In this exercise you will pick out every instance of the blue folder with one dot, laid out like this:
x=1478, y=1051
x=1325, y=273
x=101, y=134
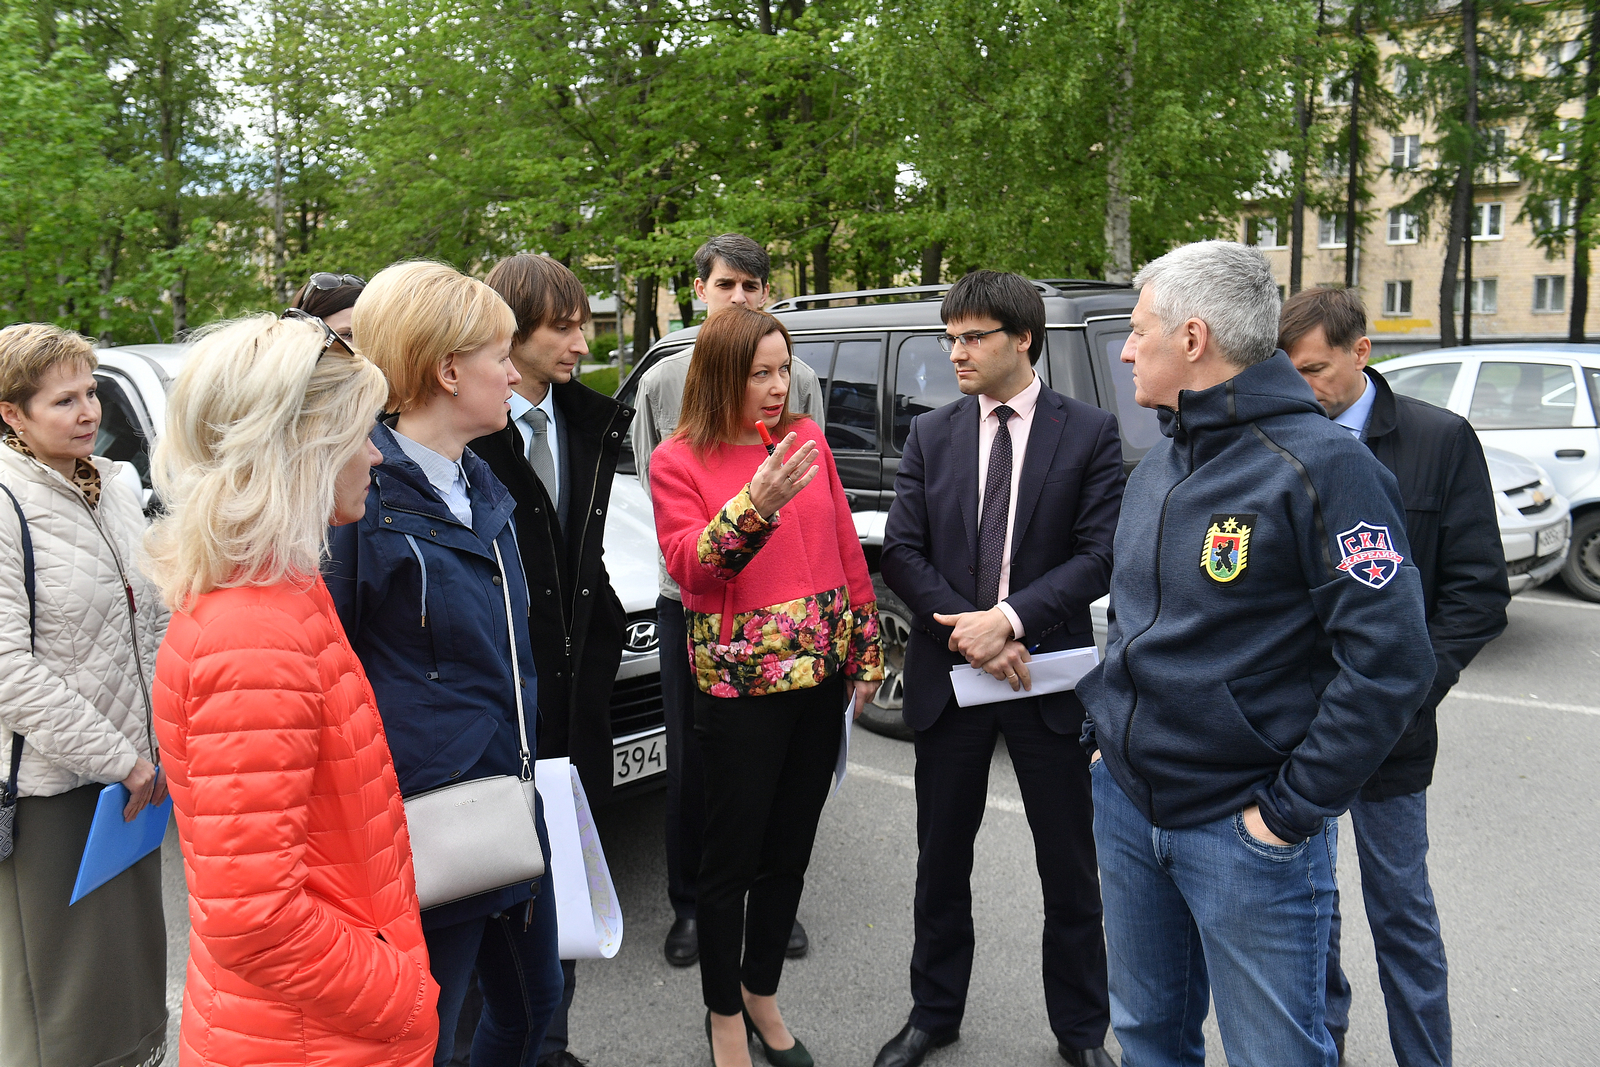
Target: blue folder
x=114, y=845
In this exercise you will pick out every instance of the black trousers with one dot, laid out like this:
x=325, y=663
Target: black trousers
x=686, y=804
x=769, y=764
x=952, y=778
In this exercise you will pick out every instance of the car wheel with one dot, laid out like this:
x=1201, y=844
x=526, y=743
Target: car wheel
x=883, y=714
x=1582, y=569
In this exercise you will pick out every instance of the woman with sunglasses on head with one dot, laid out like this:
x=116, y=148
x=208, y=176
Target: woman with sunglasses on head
x=431, y=590
x=75, y=662
x=306, y=944
x=783, y=631
x=331, y=298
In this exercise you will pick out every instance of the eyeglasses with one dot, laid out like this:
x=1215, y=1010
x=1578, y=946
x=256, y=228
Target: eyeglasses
x=970, y=338
x=323, y=280
x=329, y=337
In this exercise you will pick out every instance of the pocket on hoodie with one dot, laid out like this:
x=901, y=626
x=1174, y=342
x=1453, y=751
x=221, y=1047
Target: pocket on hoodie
x=1278, y=704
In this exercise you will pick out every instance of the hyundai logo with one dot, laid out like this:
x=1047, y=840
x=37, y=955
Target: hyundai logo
x=641, y=637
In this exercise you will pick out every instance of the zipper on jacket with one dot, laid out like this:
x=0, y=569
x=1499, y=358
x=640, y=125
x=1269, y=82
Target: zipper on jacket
x=583, y=536
x=1127, y=730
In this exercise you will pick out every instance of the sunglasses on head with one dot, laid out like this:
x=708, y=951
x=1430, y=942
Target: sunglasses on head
x=329, y=337
x=324, y=280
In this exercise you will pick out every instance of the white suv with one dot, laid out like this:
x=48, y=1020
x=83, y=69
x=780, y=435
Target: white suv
x=1538, y=401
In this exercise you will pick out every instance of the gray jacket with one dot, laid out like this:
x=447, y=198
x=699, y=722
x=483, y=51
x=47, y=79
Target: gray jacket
x=660, y=402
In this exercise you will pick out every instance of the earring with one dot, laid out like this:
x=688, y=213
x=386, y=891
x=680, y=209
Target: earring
x=455, y=392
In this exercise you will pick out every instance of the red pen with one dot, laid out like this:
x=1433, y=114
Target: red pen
x=766, y=438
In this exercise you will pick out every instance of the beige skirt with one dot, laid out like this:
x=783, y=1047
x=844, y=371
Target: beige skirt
x=80, y=986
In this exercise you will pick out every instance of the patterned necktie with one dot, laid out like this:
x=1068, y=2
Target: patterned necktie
x=996, y=506
x=539, y=457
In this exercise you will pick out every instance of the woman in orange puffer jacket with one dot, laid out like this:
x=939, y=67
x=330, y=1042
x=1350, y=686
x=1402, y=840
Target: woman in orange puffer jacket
x=306, y=943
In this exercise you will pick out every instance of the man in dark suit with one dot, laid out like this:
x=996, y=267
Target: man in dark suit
x=557, y=455
x=998, y=540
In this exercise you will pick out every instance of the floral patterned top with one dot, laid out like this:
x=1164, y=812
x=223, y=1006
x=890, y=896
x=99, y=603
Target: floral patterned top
x=793, y=645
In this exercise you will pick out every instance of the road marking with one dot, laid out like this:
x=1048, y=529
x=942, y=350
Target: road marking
x=1554, y=602
x=1523, y=702
x=905, y=781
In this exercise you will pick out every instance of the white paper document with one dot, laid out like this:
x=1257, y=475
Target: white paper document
x=844, y=746
x=588, y=913
x=1052, y=672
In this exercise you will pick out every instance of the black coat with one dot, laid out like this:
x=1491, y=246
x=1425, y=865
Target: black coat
x=1067, y=500
x=1455, y=543
x=577, y=621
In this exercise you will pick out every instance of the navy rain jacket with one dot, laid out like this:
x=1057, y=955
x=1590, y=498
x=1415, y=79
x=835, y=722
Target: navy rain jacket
x=1268, y=641
x=420, y=598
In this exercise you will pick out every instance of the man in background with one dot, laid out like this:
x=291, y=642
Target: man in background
x=729, y=269
x=1455, y=544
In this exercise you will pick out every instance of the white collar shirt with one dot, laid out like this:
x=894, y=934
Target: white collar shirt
x=446, y=476
x=1354, y=418
x=1023, y=405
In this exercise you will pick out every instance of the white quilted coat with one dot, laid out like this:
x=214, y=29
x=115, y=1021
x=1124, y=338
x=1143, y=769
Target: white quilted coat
x=81, y=700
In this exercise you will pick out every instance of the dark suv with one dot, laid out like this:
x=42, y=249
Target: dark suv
x=878, y=357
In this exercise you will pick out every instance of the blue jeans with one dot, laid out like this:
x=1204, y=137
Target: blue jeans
x=518, y=973
x=1210, y=910
x=1392, y=843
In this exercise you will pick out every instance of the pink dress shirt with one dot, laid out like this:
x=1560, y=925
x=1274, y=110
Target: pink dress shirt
x=1021, y=423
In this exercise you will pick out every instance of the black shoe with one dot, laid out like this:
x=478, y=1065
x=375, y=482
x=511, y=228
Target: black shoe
x=1088, y=1057
x=563, y=1058
x=799, y=944
x=909, y=1047
x=683, y=943
x=793, y=1056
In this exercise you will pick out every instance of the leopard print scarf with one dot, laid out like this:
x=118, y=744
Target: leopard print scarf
x=85, y=475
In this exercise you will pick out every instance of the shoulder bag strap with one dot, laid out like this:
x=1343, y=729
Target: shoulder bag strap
x=33, y=614
x=516, y=669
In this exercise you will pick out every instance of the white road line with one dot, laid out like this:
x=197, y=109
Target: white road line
x=1554, y=602
x=1523, y=702
x=905, y=781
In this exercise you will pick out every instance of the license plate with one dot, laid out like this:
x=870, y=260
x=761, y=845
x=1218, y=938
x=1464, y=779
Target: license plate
x=638, y=758
x=1551, y=538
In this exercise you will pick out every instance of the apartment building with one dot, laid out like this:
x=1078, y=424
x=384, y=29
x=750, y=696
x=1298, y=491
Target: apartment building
x=1518, y=292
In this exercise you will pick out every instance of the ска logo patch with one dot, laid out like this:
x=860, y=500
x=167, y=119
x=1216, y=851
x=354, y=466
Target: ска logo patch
x=1367, y=554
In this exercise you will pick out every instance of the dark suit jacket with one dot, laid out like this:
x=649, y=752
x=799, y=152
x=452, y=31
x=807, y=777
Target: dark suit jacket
x=1067, y=504
x=577, y=621
x=1455, y=543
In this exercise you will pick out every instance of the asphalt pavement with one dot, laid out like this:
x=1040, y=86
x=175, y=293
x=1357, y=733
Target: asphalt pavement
x=1515, y=864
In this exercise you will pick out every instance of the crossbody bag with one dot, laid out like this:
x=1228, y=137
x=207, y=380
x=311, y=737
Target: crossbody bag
x=8, y=797
x=478, y=836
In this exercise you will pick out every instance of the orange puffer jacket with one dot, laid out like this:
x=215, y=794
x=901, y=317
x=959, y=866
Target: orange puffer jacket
x=306, y=944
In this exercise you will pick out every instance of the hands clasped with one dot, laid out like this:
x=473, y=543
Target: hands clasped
x=984, y=638
x=778, y=480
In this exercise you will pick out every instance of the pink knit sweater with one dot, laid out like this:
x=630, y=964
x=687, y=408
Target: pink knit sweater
x=770, y=606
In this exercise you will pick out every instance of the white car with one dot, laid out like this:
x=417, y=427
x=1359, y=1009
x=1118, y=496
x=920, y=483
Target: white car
x=1535, y=529
x=1535, y=400
x=133, y=397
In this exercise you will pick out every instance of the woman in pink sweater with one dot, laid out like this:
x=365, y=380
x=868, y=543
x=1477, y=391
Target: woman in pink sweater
x=783, y=632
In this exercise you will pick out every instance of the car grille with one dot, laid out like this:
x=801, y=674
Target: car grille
x=1534, y=509
x=636, y=705
x=1523, y=566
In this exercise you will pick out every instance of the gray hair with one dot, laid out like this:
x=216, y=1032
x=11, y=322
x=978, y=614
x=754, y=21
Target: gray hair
x=737, y=251
x=1225, y=285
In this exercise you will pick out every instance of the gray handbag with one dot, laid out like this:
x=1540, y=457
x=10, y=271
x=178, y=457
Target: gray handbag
x=478, y=836
x=8, y=791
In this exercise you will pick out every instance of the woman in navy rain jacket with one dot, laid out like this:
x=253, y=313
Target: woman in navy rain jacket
x=420, y=587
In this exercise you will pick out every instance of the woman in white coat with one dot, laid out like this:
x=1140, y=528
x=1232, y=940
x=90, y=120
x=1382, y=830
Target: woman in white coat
x=83, y=986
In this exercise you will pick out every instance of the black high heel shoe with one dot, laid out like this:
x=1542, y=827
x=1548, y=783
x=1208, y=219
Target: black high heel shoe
x=797, y=1056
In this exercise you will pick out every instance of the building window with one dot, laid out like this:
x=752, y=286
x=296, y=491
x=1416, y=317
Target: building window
x=1405, y=151
x=1553, y=217
x=1397, y=298
x=1330, y=231
x=1336, y=91
x=1550, y=292
x=1263, y=232
x=1488, y=222
x=1485, y=296
x=1402, y=227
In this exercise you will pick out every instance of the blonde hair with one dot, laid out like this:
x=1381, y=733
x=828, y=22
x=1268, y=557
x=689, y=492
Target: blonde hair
x=31, y=350
x=412, y=315
x=259, y=423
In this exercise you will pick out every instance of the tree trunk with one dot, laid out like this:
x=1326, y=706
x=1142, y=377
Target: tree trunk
x=764, y=16
x=932, y=261
x=820, y=265
x=180, y=307
x=110, y=250
x=644, y=316
x=280, y=239
x=1118, y=233
x=1461, y=202
x=1297, y=210
x=1588, y=163
x=1353, y=161
x=682, y=283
